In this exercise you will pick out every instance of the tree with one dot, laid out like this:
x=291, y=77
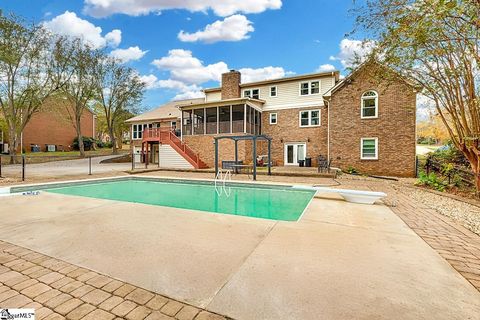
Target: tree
x=82, y=65
x=432, y=129
x=28, y=74
x=119, y=92
x=433, y=44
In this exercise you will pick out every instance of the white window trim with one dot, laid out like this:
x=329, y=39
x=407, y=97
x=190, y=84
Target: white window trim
x=376, y=105
x=270, y=117
x=376, y=149
x=309, y=88
x=310, y=118
x=285, y=152
x=251, y=93
x=276, y=91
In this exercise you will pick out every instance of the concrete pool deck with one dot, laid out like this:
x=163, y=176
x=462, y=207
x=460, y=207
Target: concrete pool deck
x=341, y=260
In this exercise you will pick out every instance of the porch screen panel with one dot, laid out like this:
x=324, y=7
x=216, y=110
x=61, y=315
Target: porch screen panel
x=211, y=114
x=256, y=122
x=237, y=118
x=198, y=121
x=187, y=122
x=224, y=119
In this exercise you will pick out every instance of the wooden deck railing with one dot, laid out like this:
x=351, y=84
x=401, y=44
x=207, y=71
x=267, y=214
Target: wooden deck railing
x=167, y=135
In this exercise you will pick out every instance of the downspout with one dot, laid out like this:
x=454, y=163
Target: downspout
x=328, y=130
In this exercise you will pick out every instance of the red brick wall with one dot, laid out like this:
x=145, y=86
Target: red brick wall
x=288, y=130
x=394, y=127
x=51, y=125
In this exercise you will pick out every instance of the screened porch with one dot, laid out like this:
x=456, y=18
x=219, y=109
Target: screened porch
x=234, y=118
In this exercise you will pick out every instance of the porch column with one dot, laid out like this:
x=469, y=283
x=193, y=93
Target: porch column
x=146, y=157
x=245, y=118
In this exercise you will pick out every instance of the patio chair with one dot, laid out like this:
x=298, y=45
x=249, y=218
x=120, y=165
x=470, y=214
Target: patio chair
x=323, y=165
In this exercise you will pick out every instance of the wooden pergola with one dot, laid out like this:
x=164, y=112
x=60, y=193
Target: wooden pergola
x=254, y=139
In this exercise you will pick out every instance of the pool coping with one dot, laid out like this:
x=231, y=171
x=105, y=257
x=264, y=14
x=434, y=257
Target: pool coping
x=36, y=187
x=58, y=184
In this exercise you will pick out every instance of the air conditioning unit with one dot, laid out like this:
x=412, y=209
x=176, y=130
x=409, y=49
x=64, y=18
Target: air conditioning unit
x=50, y=147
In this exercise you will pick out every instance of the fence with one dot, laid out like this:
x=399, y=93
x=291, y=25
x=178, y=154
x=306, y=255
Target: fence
x=449, y=170
x=33, y=166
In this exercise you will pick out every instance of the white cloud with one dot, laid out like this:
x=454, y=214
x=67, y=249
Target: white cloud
x=259, y=74
x=185, y=91
x=103, y=8
x=113, y=38
x=183, y=66
x=69, y=24
x=189, y=95
x=350, y=49
x=233, y=28
x=149, y=80
x=130, y=54
x=325, y=68
x=188, y=73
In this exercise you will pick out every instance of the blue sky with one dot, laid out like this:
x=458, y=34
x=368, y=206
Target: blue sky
x=263, y=38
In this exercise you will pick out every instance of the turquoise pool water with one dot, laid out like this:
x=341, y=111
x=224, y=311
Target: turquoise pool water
x=276, y=203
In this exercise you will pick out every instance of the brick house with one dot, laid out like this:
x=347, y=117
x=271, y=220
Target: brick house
x=50, y=126
x=356, y=122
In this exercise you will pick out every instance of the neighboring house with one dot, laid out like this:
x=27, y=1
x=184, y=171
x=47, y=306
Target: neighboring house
x=168, y=117
x=51, y=129
x=355, y=122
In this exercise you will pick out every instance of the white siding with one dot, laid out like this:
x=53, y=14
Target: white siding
x=213, y=96
x=288, y=94
x=169, y=158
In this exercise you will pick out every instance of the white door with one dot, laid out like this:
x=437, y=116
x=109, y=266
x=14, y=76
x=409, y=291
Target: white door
x=295, y=152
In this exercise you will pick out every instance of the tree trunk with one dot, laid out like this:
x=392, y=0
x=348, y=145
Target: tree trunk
x=476, y=179
x=114, y=142
x=81, y=146
x=12, y=145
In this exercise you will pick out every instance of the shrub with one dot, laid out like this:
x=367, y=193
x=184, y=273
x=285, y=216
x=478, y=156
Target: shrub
x=88, y=143
x=431, y=180
x=352, y=170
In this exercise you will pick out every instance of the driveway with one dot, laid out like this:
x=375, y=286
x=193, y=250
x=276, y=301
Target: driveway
x=59, y=169
x=340, y=261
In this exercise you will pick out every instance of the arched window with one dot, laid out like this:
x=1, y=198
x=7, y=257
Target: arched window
x=369, y=105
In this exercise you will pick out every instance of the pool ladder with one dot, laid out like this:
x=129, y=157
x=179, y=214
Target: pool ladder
x=222, y=177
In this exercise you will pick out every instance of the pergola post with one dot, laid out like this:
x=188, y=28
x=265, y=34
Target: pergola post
x=269, y=157
x=216, y=157
x=236, y=155
x=254, y=158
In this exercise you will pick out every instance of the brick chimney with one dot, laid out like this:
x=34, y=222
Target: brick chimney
x=231, y=84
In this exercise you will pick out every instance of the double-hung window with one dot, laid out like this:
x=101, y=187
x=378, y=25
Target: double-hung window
x=369, y=105
x=310, y=118
x=137, y=131
x=273, y=91
x=273, y=118
x=252, y=93
x=369, y=149
x=309, y=88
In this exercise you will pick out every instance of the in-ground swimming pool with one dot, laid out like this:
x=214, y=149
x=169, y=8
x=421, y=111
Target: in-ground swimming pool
x=267, y=202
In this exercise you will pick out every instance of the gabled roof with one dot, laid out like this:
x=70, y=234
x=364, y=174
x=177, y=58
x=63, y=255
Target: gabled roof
x=169, y=110
x=335, y=73
x=352, y=74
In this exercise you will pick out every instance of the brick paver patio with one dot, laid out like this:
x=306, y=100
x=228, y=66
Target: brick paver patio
x=458, y=245
x=60, y=290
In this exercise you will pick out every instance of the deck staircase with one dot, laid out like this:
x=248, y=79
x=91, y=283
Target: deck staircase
x=167, y=136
